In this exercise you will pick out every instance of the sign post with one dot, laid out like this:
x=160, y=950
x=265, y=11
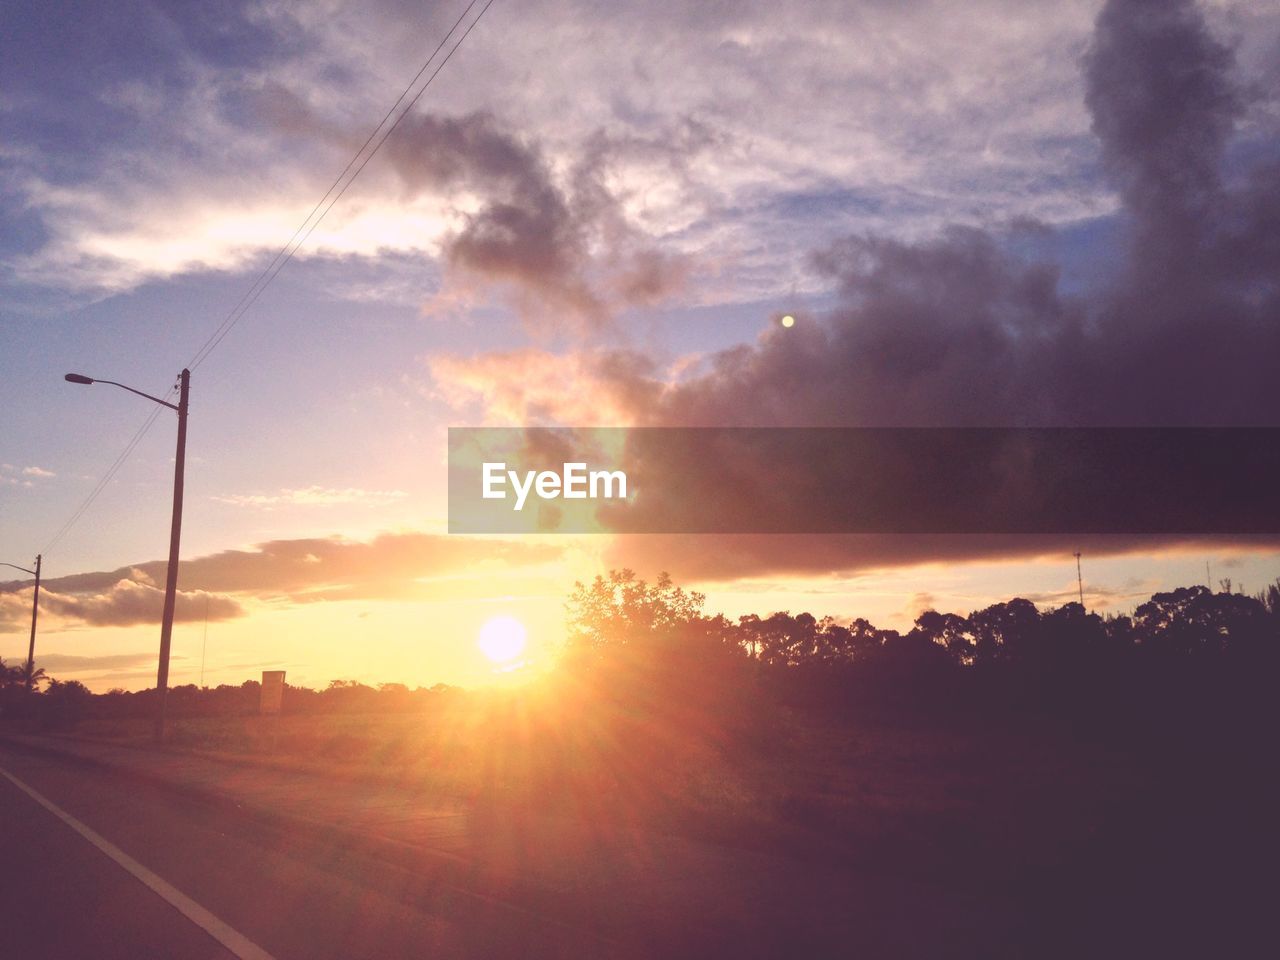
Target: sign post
x=272, y=698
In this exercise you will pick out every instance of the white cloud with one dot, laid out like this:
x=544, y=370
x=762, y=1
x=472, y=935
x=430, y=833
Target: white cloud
x=825, y=118
x=314, y=496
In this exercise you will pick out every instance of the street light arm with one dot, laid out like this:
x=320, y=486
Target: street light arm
x=16, y=567
x=163, y=403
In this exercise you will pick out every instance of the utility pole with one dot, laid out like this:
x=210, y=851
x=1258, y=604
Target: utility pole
x=175, y=535
x=1079, y=579
x=35, y=612
x=175, y=530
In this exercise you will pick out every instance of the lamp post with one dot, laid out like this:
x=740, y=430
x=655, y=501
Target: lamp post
x=35, y=612
x=175, y=532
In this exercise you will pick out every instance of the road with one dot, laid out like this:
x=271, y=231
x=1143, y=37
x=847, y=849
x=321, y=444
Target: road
x=100, y=862
x=288, y=893
x=293, y=864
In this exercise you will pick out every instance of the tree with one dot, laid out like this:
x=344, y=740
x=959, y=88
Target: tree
x=1270, y=600
x=65, y=701
x=1194, y=620
x=1004, y=631
x=1069, y=634
x=781, y=640
x=623, y=610
x=16, y=676
x=949, y=631
x=651, y=644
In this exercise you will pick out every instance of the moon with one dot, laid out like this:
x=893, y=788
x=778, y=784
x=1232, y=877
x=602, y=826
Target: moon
x=502, y=639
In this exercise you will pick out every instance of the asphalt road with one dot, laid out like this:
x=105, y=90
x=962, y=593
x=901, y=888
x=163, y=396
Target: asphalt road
x=291, y=893
x=1181, y=867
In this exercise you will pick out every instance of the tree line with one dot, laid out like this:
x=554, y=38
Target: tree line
x=1178, y=644
x=621, y=610
x=631, y=638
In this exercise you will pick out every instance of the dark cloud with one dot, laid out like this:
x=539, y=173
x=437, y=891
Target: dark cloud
x=727, y=557
x=559, y=247
x=129, y=602
x=1163, y=103
x=129, y=599
x=947, y=332
x=960, y=331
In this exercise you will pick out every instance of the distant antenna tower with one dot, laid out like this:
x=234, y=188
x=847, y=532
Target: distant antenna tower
x=1079, y=578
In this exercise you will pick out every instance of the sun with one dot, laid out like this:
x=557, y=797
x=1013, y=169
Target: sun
x=502, y=639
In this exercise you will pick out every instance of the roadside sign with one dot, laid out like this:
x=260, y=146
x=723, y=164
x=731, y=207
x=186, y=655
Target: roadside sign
x=272, y=691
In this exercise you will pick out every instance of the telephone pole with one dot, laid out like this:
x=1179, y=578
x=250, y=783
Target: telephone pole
x=35, y=613
x=175, y=535
x=175, y=529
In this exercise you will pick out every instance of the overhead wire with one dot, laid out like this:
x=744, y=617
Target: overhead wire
x=330, y=198
x=106, y=478
x=341, y=183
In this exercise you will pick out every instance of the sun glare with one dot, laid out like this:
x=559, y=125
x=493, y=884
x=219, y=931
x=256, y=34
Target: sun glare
x=502, y=639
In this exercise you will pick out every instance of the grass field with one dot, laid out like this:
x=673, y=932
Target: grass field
x=823, y=788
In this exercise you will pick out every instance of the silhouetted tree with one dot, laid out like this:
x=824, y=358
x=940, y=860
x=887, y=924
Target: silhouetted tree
x=65, y=702
x=1070, y=634
x=622, y=610
x=949, y=631
x=651, y=646
x=1194, y=621
x=780, y=640
x=1003, y=632
x=1270, y=600
x=16, y=676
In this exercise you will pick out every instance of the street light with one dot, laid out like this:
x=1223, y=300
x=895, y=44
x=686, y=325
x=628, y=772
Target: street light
x=175, y=532
x=35, y=612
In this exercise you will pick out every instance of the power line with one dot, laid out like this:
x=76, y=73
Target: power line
x=377, y=137
x=106, y=478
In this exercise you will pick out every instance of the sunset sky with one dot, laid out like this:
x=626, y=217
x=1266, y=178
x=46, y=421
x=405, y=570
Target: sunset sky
x=990, y=213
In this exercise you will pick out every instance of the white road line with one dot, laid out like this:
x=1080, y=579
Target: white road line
x=237, y=943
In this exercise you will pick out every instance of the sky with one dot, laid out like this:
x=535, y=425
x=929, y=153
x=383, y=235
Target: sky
x=992, y=213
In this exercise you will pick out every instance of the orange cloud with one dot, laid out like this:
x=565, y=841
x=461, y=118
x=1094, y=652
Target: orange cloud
x=127, y=602
x=390, y=566
x=529, y=386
